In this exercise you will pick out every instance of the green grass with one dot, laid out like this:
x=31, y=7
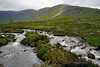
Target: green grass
x=3, y=41
x=34, y=39
x=88, y=26
x=11, y=36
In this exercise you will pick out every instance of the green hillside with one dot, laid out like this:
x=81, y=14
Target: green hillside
x=58, y=11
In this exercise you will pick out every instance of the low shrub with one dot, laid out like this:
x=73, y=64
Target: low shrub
x=3, y=41
x=33, y=39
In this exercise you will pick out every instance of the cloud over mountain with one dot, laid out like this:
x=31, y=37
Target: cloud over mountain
x=37, y=4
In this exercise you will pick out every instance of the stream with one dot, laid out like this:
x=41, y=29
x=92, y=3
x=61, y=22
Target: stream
x=13, y=54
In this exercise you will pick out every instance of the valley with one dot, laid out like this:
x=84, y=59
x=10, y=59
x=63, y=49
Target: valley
x=58, y=36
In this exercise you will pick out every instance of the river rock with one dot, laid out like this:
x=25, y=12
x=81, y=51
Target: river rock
x=83, y=47
x=64, y=46
x=98, y=58
x=40, y=31
x=1, y=65
x=9, y=40
x=79, y=40
x=49, y=33
x=14, y=40
x=91, y=56
x=1, y=51
x=24, y=50
x=80, y=55
x=72, y=47
x=97, y=49
x=35, y=50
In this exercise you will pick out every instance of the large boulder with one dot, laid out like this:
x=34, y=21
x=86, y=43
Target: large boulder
x=91, y=56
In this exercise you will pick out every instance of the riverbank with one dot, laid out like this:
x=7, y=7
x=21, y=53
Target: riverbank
x=73, y=44
x=21, y=55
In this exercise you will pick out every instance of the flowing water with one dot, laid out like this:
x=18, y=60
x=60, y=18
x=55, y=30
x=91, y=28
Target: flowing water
x=14, y=55
x=73, y=44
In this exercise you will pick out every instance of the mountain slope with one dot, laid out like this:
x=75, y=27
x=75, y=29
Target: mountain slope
x=58, y=11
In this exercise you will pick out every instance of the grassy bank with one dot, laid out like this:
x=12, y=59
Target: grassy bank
x=34, y=39
x=5, y=39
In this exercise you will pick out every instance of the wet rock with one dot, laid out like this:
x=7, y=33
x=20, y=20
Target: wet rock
x=35, y=50
x=91, y=56
x=83, y=47
x=72, y=47
x=97, y=49
x=98, y=58
x=77, y=45
x=64, y=46
x=3, y=33
x=90, y=49
x=14, y=40
x=80, y=55
x=24, y=50
x=1, y=51
x=40, y=31
x=1, y=65
x=73, y=41
x=9, y=40
x=51, y=37
x=4, y=55
x=50, y=33
x=79, y=40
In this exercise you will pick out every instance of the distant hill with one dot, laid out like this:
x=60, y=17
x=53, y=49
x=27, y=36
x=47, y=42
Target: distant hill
x=58, y=11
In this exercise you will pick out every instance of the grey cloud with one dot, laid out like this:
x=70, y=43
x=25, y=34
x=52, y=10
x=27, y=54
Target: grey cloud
x=86, y=3
x=37, y=4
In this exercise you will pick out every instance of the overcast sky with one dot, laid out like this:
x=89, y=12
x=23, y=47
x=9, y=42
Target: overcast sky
x=16, y=5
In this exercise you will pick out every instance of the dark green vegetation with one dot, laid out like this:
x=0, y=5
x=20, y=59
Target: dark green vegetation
x=5, y=39
x=58, y=11
x=8, y=29
x=34, y=39
x=10, y=36
x=58, y=57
